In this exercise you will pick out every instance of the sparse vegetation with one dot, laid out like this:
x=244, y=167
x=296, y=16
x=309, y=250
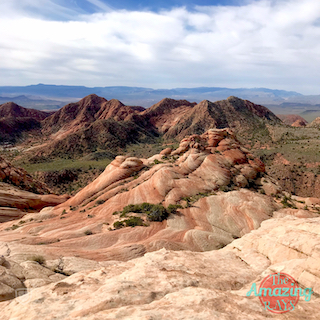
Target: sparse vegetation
x=156, y=161
x=133, y=222
x=118, y=225
x=287, y=203
x=172, y=208
x=88, y=232
x=153, y=212
x=39, y=259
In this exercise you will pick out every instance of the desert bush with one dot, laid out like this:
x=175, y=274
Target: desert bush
x=154, y=212
x=40, y=259
x=287, y=204
x=98, y=202
x=156, y=161
x=133, y=222
x=172, y=208
x=157, y=213
x=118, y=225
x=88, y=232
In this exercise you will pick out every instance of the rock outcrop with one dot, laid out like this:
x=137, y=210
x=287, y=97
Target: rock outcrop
x=315, y=123
x=20, y=193
x=187, y=285
x=195, y=177
x=20, y=178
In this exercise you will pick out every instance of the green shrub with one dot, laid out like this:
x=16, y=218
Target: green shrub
x=40, y=259
x=156, y=161
x=287, y=204
x=98, y=202
x=133, y=222
x=154, y=212
x=88, y=232
x=118, y=225
x=158, y=213
x=172, y=208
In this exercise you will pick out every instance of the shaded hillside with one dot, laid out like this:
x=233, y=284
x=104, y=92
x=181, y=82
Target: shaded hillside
x=245, y=117
x=86, y=111
x=15, y=129
x=11, y=109
x=15, y=121
x=89, y=125
x=108, y=134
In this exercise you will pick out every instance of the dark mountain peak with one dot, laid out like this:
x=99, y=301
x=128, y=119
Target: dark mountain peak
x=83, y=111
x=9, y=109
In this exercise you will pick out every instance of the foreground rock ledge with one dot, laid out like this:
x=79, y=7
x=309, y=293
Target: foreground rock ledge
x=187, y=285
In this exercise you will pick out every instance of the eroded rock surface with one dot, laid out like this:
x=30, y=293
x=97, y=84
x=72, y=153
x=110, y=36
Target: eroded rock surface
x=187, y=285
x=215, y=180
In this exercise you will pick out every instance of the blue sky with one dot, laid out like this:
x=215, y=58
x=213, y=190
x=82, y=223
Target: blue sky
x=162, y=44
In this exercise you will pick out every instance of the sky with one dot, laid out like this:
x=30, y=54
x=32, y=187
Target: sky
x=162, y=44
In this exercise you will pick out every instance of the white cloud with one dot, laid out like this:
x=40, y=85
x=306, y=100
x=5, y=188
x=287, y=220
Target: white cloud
x=263, y=43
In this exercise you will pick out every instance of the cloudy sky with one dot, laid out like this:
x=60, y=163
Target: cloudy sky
x=166, y=44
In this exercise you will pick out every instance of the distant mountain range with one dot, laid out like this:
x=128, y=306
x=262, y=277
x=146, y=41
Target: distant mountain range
x=49, y=97
x=94, y=123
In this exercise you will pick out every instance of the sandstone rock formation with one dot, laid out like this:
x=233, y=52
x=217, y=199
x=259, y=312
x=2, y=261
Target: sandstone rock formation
x=20, y=178
x=20, y=193
x=15, y=277
x=299, y=124
x=315, y=123
x=187, y=285
x=194, y=176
